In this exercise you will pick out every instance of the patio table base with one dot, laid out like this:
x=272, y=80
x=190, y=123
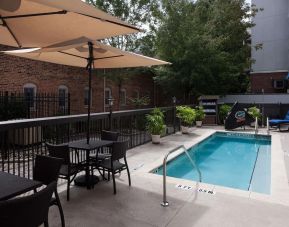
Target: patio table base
x=81, y=181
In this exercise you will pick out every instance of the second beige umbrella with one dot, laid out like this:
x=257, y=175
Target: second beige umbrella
x=83, y=52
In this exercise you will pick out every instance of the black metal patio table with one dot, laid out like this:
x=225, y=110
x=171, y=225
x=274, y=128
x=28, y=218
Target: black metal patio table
x=11, y=185
x=87, y=179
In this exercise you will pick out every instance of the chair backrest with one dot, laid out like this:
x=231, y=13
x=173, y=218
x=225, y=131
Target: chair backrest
x=59, y=151
x=119, y=150
x=29, y=211
x=46, y=169
x=109, y=135
x=287, y=116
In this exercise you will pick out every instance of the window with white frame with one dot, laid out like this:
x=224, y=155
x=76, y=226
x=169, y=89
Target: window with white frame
x=62, y=96
x=86, y=98
x=107, y=95
x=122, y=98
x=30, y=90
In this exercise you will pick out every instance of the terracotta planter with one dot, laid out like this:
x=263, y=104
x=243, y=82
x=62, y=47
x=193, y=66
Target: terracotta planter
x=156, y=139
x=199, y=123
x=185, y=129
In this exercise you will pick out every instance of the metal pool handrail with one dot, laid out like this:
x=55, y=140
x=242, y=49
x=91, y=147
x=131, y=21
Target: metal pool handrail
x=165, y=203
x=254, y=167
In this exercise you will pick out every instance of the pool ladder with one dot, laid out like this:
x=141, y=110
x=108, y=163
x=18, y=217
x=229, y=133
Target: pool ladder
x=165, y=203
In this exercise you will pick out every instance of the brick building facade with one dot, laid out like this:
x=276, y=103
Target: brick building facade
x=18, y=73
x=267, y=82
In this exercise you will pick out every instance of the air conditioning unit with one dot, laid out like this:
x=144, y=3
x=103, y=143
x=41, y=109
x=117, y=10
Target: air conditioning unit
x=279, y=84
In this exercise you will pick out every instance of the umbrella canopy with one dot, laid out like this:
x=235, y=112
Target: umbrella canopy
x=83, y=52
x=76, y=53
x=40, y=23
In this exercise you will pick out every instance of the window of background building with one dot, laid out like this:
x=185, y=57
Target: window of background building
x=136, y=94
x=86, y=90
x=122, y=97
x=62, y=95
x=107, y=95
x=30, y=90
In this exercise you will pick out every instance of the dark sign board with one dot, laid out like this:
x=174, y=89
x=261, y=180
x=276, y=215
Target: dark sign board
x=238, y=117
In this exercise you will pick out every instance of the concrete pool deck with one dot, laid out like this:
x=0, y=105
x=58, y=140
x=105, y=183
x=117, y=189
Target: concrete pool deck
x=139, y=205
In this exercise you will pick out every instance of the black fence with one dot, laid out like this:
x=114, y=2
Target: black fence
x=21, y=140
x=29, y=105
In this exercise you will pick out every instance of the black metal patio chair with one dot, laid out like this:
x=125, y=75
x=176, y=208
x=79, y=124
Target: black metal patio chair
x=29, y=211
x=46, y=170
x=68, y=170
x=105, y=152
x=113, y=165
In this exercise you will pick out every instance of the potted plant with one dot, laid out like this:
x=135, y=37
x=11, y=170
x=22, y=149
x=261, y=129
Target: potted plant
x=223, y=112
x=255, y=113
x=155, y=124
x=187, y=116
x=200, y=115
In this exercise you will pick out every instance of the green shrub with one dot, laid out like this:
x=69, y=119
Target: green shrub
x=186, y=114
x=223, y=112
x=255, y=112
x=155, y=122
x=200, y=113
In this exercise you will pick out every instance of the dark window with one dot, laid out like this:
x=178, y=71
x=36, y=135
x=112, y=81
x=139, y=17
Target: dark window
x=62, y=96
x=107, y=95
x=29, y=94
x=136, y=94
x=123, y=97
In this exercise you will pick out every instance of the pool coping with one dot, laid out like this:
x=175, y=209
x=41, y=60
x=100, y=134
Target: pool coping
x=279, y=184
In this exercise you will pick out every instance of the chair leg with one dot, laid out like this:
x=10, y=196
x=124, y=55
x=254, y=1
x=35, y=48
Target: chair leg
x=68, y=187
x=113, y=179
x=60, y=208
x=128, y=174
x=46, y=222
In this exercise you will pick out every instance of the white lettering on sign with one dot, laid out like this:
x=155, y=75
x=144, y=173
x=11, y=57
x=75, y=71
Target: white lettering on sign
x=185, y=187
x=211, y=192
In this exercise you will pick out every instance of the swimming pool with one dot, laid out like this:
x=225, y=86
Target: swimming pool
x=236, y=160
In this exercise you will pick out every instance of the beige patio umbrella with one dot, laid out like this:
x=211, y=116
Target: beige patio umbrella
x=83, y=52
x=40, y=23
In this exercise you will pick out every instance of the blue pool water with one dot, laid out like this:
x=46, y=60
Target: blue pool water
x=241, y=161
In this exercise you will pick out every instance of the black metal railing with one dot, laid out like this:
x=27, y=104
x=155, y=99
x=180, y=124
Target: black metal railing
x=15, y=105
x=21, y=140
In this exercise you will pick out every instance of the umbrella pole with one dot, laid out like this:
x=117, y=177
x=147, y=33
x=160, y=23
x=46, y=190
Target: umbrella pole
x=90, y=61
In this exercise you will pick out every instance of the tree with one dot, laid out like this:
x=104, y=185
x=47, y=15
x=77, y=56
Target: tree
x=143, y=14
x=208, y=43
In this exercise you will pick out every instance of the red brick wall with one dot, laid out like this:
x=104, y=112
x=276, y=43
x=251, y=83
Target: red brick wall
x=15, y=72
x=264, y=81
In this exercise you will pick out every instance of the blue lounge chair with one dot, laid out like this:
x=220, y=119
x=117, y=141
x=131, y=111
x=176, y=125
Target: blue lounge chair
x=279, y=122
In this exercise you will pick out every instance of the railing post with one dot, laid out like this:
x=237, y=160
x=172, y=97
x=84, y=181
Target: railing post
x=174, y=113
x=256, y=125
x=268, y=132
x=110, y=118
